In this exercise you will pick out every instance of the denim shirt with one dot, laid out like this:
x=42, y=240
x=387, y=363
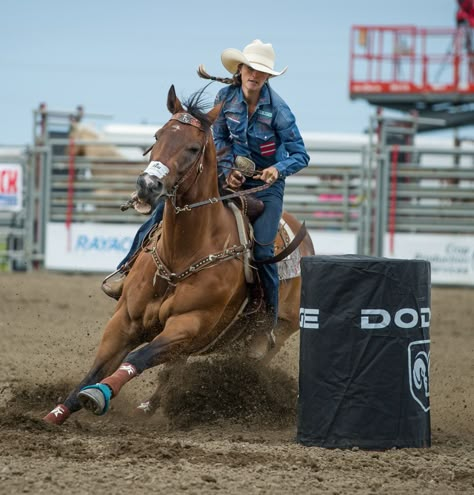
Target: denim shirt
x=270, y=137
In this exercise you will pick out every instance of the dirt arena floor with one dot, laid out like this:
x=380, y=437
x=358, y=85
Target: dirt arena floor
x=223, y=429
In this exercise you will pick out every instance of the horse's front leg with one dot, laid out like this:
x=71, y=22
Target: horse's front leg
x=174, y=342
x=118, y=339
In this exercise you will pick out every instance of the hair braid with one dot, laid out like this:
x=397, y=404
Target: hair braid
x=235, y=80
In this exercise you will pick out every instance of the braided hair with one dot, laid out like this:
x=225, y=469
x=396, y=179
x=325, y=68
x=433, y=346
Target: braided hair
x=235, y=80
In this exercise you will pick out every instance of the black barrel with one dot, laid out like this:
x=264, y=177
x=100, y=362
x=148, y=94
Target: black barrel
x=364, y=352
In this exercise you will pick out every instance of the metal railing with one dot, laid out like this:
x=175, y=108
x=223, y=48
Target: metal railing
x=414, y=188
x=365, y=189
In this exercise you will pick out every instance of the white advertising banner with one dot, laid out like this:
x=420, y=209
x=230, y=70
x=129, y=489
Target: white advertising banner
x=11, y=187
x=451, y=256
x=87, y=246
x=98, y=247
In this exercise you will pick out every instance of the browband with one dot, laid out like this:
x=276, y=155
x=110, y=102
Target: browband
x=186, y=118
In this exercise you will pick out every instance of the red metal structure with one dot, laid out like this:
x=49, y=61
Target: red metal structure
x=430, y=70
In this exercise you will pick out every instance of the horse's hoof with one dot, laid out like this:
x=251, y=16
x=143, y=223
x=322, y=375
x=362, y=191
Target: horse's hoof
x=58, y=415
x=260, y=345
x=95, y=398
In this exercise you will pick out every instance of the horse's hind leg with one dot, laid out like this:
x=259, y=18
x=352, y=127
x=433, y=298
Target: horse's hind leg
x=288, y=316
x=149, y=407
x=283, y=331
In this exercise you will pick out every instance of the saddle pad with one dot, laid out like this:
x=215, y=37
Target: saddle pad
x=290, y=266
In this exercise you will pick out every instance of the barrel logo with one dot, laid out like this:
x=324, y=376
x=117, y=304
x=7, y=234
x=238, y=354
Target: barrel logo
x=419, y=372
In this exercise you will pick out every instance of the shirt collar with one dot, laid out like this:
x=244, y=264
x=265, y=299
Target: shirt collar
x=264, y=96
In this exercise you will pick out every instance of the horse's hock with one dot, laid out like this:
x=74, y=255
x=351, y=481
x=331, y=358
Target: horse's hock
x=364, y=352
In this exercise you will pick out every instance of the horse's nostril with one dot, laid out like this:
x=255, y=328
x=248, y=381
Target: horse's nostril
x=140, y=181
x=149, y=188
x=147, y=182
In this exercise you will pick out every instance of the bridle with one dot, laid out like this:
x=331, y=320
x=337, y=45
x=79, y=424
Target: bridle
x=188, y=119
x=197, y=165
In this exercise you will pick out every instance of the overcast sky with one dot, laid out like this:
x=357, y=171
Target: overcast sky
x=119, y=57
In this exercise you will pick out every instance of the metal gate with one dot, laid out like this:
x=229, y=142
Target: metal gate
x=373, y=190
x=413, y=188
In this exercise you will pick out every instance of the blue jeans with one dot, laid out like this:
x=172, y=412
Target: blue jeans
x=265, y=230
x=154, y=219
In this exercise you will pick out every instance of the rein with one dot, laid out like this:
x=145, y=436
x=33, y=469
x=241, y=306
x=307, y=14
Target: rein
x=220, y=198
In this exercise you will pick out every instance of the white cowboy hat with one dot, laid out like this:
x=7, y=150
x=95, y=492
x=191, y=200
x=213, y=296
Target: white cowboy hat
x=260, y=56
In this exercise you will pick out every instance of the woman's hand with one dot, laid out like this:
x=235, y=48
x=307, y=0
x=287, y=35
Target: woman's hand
x=235, y=179
x=268, y=175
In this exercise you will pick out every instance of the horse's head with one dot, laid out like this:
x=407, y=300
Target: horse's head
x=176, y=158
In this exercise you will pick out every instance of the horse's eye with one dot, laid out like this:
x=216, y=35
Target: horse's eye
x=194, y=149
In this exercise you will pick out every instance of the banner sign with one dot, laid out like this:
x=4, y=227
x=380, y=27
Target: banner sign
x=100, y=247
x=87, y=246
x=451, y=256
x=11, y=187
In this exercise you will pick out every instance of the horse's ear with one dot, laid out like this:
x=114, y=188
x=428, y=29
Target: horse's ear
x=173, y=103
x=214, y=113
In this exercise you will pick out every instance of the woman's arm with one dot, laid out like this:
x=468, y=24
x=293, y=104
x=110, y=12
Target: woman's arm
x=290, y=136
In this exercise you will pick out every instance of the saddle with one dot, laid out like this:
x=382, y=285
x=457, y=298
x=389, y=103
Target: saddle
x=249, y=205
x=287, y=254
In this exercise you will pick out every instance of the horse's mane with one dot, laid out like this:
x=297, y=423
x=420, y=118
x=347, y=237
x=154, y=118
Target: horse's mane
x=198, y=106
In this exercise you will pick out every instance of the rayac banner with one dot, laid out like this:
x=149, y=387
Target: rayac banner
x=89, y=247
x=11, y=187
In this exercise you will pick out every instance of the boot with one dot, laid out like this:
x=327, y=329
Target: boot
x=263, y=340
x=113, y=284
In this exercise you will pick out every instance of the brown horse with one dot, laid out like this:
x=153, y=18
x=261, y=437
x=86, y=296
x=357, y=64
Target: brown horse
x=185, y=291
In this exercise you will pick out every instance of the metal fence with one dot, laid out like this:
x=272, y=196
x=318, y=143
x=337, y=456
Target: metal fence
x=368, y=188
x=414, y=188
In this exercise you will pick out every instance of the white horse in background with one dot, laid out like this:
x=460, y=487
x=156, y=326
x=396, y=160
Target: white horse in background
x=104, y=171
